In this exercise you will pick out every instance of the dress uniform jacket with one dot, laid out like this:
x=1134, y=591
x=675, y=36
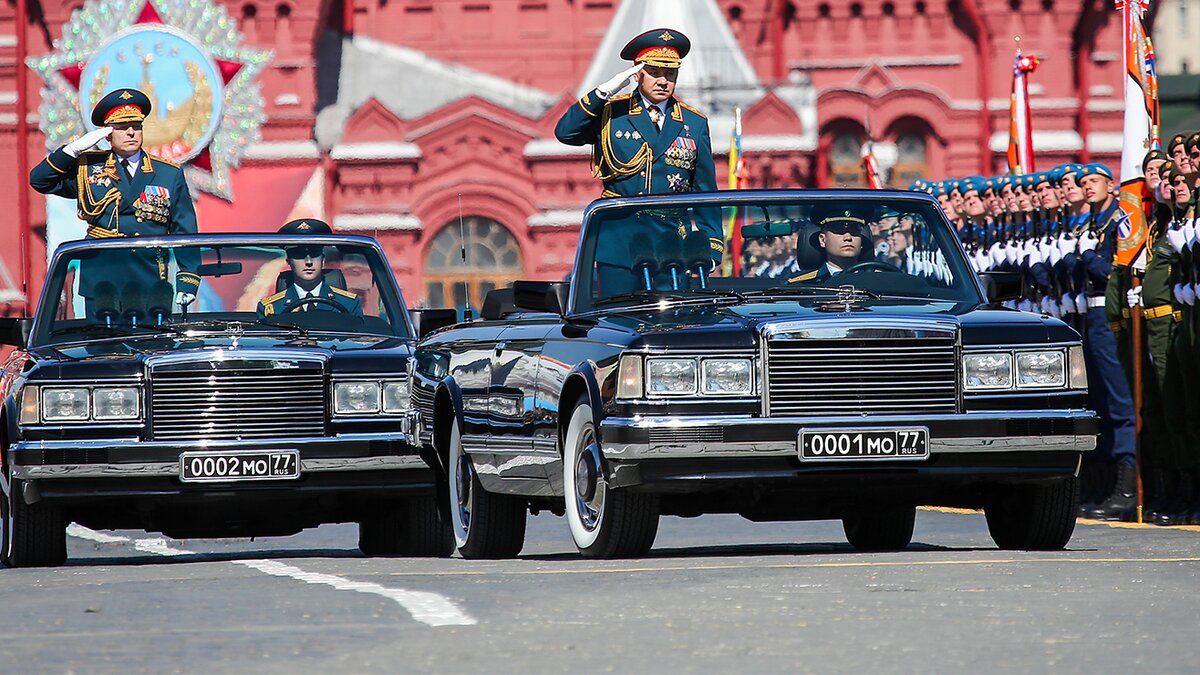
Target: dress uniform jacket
x=279, y=302
x=154, y=202
x=633, y=157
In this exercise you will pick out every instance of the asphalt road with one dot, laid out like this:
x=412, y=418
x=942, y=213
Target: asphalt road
x=717, y=594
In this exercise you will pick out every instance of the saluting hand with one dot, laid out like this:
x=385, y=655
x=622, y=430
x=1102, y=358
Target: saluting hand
x=619, y=81
x=87, y=141
x=184, y=299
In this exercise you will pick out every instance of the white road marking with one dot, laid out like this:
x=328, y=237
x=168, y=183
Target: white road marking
x=428, y=608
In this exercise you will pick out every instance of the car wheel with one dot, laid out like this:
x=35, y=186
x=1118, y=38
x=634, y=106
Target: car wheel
x=410, y=528
x=605, y=522
x=34, y=534
x=485, y=525
x=1034, y=517
x=880, y=530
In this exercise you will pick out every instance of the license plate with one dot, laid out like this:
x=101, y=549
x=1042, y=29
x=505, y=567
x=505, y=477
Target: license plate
x=231, y=466
x=848, y=445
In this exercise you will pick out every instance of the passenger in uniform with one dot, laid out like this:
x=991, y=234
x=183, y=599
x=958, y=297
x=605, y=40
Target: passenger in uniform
x=646, y=143
x=124, y=192
x=308, y=287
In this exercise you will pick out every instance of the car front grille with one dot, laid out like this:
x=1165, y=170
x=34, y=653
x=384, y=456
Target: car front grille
x=883, y=376
x=237, y=404
x=421, y=397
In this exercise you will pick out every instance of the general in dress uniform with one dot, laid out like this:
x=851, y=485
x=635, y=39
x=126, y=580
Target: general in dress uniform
x=307, y=278
x=124, y=192
x=647, y=142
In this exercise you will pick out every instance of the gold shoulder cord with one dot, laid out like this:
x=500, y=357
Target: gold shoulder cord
x=89, y=208
x=608, y=158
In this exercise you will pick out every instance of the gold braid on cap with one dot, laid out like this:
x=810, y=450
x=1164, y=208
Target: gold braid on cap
x=843, y=219
x=662, y=57
x=608, y=158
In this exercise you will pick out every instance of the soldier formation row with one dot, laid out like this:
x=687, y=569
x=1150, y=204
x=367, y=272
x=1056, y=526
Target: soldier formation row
x=1060, y=229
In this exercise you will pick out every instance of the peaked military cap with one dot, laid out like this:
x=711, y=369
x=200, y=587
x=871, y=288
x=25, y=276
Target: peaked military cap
x=121, y=105
x=833, y=216
x=1095, y=169
x=661, y=47
x=1153, y=155
x=306, y=226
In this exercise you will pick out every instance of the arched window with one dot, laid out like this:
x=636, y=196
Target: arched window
x=493, y=261
x=845, y=161
x=911, y=160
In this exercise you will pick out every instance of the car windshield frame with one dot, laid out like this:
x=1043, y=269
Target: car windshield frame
x=42, y=331
x=580, y=302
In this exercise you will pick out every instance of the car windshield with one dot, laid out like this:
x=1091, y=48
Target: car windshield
x=103, y=292
x=769, y=247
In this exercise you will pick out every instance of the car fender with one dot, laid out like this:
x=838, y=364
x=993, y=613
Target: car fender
x=581, y=383
x=447, y=393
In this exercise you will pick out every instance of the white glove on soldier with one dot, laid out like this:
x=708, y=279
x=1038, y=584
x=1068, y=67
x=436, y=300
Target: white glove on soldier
x=1175, y=235
x=1189, y=294
x=1088, y=242
x=1066, y=245
x=1133, y=297
x=184, y=299
x=87, y=141
x=1177, y=291
x=619, y=81
x=1067, y=303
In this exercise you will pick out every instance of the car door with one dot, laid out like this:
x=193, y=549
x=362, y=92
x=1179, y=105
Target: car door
x=514, y=376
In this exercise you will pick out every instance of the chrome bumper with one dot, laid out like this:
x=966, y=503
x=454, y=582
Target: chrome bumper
x=743, y=436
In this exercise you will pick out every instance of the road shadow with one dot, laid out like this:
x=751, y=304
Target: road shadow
x=814, y=549
x=223, y=556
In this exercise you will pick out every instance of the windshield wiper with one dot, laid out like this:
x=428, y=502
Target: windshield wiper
x=850, y=292
x=689, y=294
x=116, y=330
x=280, y=324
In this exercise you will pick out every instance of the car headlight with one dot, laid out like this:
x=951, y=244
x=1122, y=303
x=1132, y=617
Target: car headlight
x=727, y=376
x=395, y=396
x=1040, y=370
x=1076, y=368
x=356, y=398
x=993, y=370
x=115, y=403
x=670, y=376
x=65, y=404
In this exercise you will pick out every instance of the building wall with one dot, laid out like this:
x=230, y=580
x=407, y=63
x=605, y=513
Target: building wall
x=1177, y=37
x=936, y=69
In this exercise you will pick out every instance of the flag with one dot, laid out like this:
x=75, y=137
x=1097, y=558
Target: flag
x=1020, y=131
x=1150, y=72
x=738, y=174
x=1140, y=110
x=871, y=167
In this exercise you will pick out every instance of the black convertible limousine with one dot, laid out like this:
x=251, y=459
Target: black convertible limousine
x=817, y=376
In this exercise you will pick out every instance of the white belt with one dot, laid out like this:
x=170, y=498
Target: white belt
x=1096, y=302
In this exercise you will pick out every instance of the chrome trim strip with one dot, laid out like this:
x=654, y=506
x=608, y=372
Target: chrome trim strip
x=222, y=354
x=142, y=469
x=249, y=445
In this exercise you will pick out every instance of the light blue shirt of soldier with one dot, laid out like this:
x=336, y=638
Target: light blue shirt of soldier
x=647, y=142
x=307, y=286
x=124, y=192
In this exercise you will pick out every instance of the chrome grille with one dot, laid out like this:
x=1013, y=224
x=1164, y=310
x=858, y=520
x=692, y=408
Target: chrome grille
x=421, y=398
x=861, y=376
x=238, y=403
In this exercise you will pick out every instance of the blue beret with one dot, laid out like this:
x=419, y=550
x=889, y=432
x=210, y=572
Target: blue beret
x=917, y=185
x=1071, y=168
x=971, y=184
x=952, y=185
x=1055, y=175
x=1004, y=181
x=1096, y=169
x=1041, y=177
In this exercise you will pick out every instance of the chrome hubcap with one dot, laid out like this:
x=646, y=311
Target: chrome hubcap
x=590, y=487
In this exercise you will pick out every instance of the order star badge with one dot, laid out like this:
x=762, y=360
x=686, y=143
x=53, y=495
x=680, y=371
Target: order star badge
x=186, y=56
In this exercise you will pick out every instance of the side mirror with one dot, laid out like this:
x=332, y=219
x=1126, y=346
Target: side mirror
x=15, y=331
x=428, y=320
x=541, y=296
x=1001, y=286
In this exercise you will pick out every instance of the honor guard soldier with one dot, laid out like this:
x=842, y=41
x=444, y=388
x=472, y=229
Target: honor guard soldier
x=123, y=192
x=307, y=286
x=647, y=142
x=1110, y=395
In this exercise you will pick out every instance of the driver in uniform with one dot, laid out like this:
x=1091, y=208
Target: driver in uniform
x=307, y=264
x=841, y=238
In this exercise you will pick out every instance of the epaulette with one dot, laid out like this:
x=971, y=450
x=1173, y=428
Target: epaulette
x=688, y=107
x=163, y=160
x=622, y=97
x=807, y=276
x=272, y=298
x=345, y=294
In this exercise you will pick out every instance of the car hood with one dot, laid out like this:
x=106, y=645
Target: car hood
x=127, y=355
x=709, y=325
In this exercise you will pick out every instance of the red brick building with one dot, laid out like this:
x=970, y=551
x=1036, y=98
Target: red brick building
x=382, y=116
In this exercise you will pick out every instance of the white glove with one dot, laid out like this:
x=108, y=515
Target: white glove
x=1066, y=245
x=1067, y=303
x=1010, y=253
x=184, y=299
x=1189, y=232
x=1052, y=254
x=1133, y=297
x=1177, y=291
x=1175, y=236
x=1189, y=294
x=87, y=141
x=1088, y=242
x=618, y=82
x=1081, y=304
x=1035, y=256
x=996, y=253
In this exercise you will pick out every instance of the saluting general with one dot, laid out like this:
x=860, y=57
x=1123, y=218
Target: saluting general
x=647, y=142
x=124, y=191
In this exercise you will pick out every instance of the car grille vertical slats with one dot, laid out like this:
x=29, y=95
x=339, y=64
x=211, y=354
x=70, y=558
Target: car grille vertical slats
x=861, y=376
x=237, y=404
x=422, y=400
